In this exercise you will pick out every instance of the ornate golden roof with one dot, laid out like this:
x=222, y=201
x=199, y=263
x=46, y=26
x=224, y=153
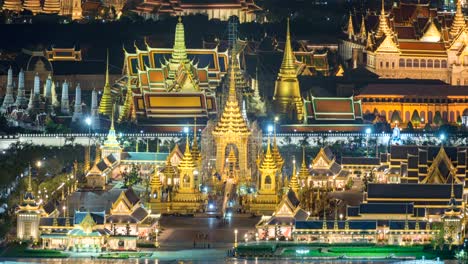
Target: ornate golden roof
x=277, y=155
x=384, y=29
x=458, y=21
x=268, y=162
x=87, y=224
x=294, y=183
x=432, y=34
x=169, y=171
x=105, y=106
x=155, y=180
x=350, y=30
x=187, y=162
x=231, y=121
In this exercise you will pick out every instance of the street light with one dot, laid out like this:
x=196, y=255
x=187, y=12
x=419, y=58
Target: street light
x=156, y=243
x=235, y=238
x=368, y=131
x=442, y=138
x=39, y=163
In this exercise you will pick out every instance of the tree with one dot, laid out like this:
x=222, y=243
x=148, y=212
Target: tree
x=409, y=126
x=415, y=118
x=395, y=117
x=427, y=127
x=133, y=177
x=438, y=119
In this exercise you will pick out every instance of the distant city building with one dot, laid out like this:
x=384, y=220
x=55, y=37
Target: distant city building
x=244, y=9
x=411, y=40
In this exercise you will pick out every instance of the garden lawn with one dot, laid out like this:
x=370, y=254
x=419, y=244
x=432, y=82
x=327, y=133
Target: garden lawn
x=16, y=251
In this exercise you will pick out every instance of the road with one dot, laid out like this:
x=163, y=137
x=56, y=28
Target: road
x=182, y=232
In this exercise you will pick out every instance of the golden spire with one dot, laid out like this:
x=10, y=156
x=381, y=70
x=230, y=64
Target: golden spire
x=169, y=171
x=155, y=182
x=97, y=157
x=350, y=27
x=294, y=183
x=287, y=91
x=275, y=151
x=231, y=120
x=268, y=162
x=288, y=65
x=105, y=106
x=187, y=161
x=232, y=156
x=304, y=171
x=458, y=21
x=384, y=29
x=29, y=179
x=363, y=32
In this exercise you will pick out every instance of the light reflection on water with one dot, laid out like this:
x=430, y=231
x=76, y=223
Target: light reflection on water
x=155, y=261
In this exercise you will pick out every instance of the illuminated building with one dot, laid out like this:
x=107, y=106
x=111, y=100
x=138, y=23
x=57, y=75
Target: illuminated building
x=427, y=100
x=51, y=7
x=12, y=5
x=28, y=215
x=71, y=8
x=89, y=231
x=409, y=41
x=266, y=198
x=32, y=5
x=244, y=9
x=173, y=85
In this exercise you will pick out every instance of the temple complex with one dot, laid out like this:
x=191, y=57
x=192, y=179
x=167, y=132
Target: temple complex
x=222, y=10
x=411, y=40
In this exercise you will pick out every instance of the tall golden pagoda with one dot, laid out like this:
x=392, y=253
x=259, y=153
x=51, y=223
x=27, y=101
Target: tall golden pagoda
x=232, y=129
x=51, y=6
x=105, y=106
x=32, y=5
x=287, y=99
x=458, y=21
x=12, y=5
x=267, y=193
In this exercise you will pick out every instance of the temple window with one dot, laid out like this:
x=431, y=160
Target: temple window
x=422, y=115
x=436, y=64
x=402, y=62
x=429, y=63
x=268, y=182
x=416, y=63
x=423, y=63
x=409, y=63
x=452, y=116
x=444, y=64
x=393, y=65
x=387, y=64
x=381, y=64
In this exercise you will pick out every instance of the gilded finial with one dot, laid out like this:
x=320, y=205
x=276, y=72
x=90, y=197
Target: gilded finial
x=180, y=19
x=107, y=68
x=30, y=179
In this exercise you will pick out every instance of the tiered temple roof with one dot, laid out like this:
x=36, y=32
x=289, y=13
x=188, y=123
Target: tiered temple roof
x=12, y=5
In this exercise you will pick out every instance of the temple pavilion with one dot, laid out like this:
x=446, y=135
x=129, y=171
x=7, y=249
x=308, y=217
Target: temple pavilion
x=171, y=86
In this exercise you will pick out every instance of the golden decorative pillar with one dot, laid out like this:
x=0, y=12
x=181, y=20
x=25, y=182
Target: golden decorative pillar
x=294, y=183
x=187, y=168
